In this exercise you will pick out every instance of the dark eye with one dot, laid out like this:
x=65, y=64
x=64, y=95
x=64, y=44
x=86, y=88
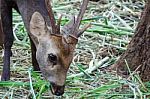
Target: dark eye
x=52, y=58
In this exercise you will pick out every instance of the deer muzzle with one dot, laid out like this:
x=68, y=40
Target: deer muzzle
x=57, y=90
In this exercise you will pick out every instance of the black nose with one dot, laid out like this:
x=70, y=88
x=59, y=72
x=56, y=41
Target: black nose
x=57, y=90
x=59, y=93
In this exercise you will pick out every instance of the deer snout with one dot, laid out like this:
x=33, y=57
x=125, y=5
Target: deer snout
x=57, y=90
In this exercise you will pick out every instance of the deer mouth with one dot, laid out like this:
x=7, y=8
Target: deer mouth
x=57, y=90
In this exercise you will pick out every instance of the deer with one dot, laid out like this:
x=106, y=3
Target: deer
x=52, y=46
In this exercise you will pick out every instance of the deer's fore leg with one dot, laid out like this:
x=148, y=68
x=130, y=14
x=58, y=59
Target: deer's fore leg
x=26, y=8
x=34, y=61
x=6, y=15
x=1, y=35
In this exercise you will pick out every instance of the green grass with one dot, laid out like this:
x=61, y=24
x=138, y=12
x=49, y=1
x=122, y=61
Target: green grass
x=112, y=25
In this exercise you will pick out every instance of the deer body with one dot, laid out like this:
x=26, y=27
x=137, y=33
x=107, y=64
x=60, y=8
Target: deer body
x=52, y=48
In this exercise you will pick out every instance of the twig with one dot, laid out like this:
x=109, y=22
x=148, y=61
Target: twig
x=90, y=70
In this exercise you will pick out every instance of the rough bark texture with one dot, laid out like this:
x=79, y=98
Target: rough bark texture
x=137, y=54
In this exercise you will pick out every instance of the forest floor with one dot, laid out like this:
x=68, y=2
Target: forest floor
x=113, y=23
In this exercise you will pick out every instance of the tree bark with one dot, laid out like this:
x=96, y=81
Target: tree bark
x=137, y=55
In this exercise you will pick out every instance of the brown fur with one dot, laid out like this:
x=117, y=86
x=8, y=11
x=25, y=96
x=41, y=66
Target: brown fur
x=52, y=48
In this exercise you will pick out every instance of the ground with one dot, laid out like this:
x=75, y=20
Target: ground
x=113, y=24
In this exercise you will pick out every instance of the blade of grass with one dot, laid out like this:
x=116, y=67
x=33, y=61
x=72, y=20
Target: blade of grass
x=31, y=85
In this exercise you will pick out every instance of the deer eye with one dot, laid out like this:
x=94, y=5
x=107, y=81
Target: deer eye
x=52, y=58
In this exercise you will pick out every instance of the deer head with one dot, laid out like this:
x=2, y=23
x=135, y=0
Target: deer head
x=56, y=45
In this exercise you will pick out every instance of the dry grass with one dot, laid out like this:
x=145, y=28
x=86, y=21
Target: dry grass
x=113, y=24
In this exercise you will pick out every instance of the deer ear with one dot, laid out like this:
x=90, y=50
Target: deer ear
x=37, y=25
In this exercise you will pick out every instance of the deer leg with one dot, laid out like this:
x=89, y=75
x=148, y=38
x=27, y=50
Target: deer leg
x=25, y=10
x=6, y=16
x=34, y=61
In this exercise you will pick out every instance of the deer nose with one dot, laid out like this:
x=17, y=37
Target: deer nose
x=57, y=90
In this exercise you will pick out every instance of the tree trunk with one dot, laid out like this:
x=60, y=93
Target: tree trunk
x=137, y=55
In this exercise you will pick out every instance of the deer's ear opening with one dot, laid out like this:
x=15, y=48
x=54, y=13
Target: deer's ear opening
x=37, y=25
